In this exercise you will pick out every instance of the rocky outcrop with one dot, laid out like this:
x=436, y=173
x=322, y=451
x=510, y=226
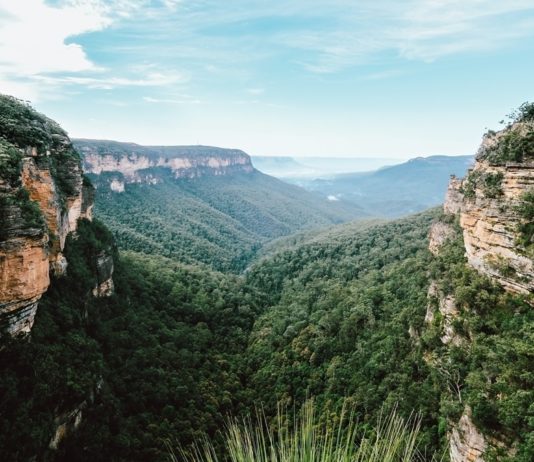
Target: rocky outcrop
x=104, y=272
x=42, y=196
x=132, y=163
x=61, y=213
x=467, y=444
x=446, y=305
x=490, y=204
x=24, y=278
x=440, y=233
x=453, y=198
x=88, y=200
x=66, y=424
x=488, y=201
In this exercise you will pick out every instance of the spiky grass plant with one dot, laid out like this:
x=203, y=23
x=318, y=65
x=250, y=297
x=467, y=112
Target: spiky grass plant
x=310, y=440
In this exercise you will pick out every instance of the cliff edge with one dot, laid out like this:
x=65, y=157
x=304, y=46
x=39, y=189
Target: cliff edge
x=488, y=217
x=123, y=163
x=42, y=196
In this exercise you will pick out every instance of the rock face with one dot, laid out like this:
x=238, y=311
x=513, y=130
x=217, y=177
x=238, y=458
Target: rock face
x=440, y=233
x=131, y=163
x=494, y=204
x=61, y=213
x=467, y=444
x=42, y=196
x=488, y=201
x=104, y=272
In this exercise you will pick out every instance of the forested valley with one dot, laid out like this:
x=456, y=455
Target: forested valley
x=201, y=325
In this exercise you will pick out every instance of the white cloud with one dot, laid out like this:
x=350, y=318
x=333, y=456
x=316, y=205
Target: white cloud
x=33, y=35
x=38, y=46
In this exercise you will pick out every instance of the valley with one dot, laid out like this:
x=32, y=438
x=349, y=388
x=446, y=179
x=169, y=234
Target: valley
x=171, y=287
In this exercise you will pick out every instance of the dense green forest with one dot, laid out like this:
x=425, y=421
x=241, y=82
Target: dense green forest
x=218, y=220
x=161, y=359
x=177, y=348
x=337, y=315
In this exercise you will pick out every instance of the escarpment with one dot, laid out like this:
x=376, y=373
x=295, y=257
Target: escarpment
x=494, y=202
x=489, y=218
x=42, y=196
x=123, y=163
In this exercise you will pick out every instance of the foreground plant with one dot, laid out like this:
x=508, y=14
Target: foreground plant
x=310, y=440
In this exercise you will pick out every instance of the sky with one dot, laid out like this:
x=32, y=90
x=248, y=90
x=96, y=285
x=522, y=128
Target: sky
x=349, y=78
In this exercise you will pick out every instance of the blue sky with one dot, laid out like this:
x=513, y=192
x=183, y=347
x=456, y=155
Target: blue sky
x=381, y=78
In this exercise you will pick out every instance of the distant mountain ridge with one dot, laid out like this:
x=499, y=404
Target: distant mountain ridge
x=316, y=167
x=134, y=163
x=198, y=204
x=394, y=190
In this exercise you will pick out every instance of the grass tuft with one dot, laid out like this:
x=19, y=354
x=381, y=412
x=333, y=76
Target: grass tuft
x=308, y=439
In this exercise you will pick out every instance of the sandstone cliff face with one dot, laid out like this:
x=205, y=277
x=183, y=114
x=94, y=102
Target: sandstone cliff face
x=42, y=196
x=488, y=202
x=151, y=164
x=467, y=444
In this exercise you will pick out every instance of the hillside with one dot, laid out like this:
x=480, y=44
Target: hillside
x=217, y=217
x=114, y=354
x=396, y=190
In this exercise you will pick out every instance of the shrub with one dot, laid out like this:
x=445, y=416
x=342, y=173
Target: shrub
x=311, y=440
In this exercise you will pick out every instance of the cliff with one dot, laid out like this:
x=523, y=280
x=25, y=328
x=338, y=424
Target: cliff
x=491, y=213
x=42, y=196
x=494, y=203
x=132, y=163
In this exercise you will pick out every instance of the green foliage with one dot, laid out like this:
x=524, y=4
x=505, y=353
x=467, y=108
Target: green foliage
x=218, y=221
x=526, y=212
x=58, y=369
x=489, y=183
x=311, y=440
x=493, y=371
x=492, y=185
x=340, y=311
x=337, y=314
x=166, y=348
x=10, y=163
x=512, y=146
x=469, y=185
x=525, y=113
x=22, y=125
x=16, y=208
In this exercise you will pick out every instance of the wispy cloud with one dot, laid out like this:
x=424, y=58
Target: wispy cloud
x=38, y=46
x=255, y=91
x=45, y=46
x=184, y=99
x=109, y=83
x=423, y=30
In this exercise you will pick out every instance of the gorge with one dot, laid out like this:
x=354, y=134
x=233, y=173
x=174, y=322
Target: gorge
x=217, y=289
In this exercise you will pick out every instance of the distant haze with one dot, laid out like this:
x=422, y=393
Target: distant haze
x=284, y=167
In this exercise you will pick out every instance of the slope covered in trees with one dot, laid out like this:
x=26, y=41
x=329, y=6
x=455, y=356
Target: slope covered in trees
x=217, y=220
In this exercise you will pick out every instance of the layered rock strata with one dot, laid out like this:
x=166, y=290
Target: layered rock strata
x=132, y=163
x=42, y=196
x=489, y=204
